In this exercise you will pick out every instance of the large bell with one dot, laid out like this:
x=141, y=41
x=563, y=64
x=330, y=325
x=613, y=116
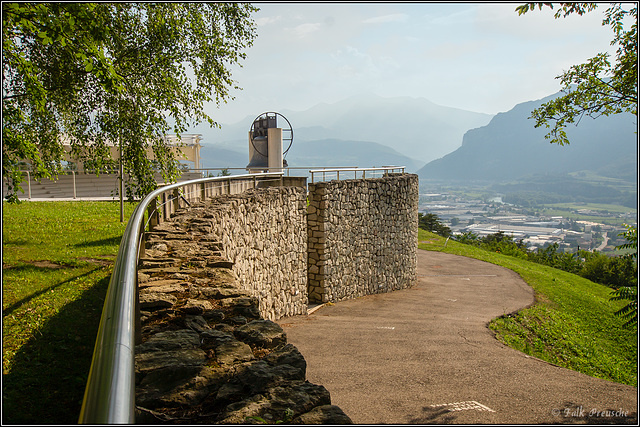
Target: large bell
x=259, y=151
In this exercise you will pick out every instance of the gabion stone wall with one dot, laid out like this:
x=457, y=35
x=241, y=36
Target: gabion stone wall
x=362, y=236
x=262, y=233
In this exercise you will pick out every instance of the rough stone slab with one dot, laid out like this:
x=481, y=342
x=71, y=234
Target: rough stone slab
x=288, y=355
x=149, y=361
x=222, y=277
x=196, y=323
x=325, y=414
x=219, y=262
x=157, y=262
x=156, y=286
x=221, y=293
x=262, y=333
x=256, y=377
x=170, y=387
x=156, y=300
x=170, y=340
x=298, y=398
x=213, y=338
x=158, y=270
x=233, y=351
x=196, y=306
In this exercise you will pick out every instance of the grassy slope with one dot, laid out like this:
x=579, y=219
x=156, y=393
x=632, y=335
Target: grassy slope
x=572, y=323
x=56, y=268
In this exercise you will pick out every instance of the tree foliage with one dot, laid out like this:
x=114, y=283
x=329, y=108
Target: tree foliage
x=629, y=293
x=431, y=222
x=599, y=86
x=95, y=74
x=615, y=272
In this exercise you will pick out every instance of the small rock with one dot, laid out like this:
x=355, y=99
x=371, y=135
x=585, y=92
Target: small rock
x=233, y=351
x=325, y=414
x=150, y=361
x=213, y=338
x=220, y=293
x=170, y=340
x=238, y=320
x=214, y=315
x=156, y=300
x=288, y=355
x=196, y=323
x=164, y=289
x=262, y=333
x=160, y=247
x=196, y=306
x=224, y=327
x=219, y=262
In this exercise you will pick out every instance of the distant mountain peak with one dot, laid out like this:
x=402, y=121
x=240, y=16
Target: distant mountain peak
x=414, y=127
x=509, y=147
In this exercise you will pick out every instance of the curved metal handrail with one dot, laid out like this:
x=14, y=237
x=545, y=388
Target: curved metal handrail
x=110, y=393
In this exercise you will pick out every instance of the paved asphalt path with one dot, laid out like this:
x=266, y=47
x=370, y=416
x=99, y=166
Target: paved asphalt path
x=425, y=355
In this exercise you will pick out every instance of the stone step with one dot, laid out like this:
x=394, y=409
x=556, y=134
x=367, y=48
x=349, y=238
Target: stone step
x=157, y=262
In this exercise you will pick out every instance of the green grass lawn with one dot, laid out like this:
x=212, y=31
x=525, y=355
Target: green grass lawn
x=571, y=324
x=56, y=263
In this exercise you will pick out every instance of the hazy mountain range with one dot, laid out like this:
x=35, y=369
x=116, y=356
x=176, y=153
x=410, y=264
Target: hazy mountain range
x=440, y=143
x=365, y=130
x=509, y=147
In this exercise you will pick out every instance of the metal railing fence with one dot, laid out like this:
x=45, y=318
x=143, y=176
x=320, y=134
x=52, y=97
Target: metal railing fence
x=52, y=183
x=309, y=171
x=110, y=392
x=356, y=171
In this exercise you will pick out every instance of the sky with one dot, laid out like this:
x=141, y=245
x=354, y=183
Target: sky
x=481, y=57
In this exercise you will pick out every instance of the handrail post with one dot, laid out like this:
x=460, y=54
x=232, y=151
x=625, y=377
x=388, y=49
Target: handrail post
x=176, y=200
x=165, y=208
x=153, y=213
x=29, y=183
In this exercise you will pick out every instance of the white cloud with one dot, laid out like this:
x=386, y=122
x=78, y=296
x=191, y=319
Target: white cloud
x=395, y=17
x=454, y=18
x=267, y=20
x=351, y=63
x=304, y=30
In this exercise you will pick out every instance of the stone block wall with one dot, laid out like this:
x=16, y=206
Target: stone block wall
x=362, y=236
x=262, y=232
